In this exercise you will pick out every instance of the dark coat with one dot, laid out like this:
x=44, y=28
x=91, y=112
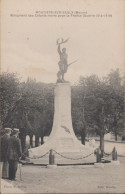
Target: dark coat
x=14, y=149
x=4, y=147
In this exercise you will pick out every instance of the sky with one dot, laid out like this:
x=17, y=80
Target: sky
x=28, y=43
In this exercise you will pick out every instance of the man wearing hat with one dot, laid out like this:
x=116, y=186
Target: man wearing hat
x=14, y=153
x=4, y=148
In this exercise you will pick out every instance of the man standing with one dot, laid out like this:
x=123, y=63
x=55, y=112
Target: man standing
x=14, y=153
x=4, y=148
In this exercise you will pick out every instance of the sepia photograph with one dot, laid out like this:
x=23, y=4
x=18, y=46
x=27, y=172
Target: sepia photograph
x=62, y=95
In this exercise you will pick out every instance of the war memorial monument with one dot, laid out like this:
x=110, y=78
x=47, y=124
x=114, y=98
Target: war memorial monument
x=62, y=138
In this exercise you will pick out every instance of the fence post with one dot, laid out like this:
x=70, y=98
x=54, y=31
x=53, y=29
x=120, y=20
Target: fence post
x=114, y=154
x=51, y=158
x=98, y=163
x=98, y=155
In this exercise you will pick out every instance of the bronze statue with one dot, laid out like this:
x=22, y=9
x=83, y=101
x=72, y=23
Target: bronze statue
x=63, y=63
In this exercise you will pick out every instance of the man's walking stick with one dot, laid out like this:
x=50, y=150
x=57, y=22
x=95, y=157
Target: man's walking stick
x=20, y=171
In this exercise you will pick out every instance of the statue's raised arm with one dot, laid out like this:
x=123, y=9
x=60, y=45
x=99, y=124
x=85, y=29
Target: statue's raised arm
x=59, y=50
x=59, y=43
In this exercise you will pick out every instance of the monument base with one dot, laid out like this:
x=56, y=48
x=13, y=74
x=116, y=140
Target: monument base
x=62, y=138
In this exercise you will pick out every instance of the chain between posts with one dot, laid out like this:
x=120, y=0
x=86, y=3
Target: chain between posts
x=107, y=154
x=61, y=156
x=73, y=158
x=38, y=156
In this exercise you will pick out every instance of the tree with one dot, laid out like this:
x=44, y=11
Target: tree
x=33, y=112
x=10, y=94
x=95, y=95
x=103, y=104
x=116, y=84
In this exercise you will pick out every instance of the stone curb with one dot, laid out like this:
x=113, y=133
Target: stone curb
x=54, y=166
x=117, y=162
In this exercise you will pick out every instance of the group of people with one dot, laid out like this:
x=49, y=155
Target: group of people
x=11, y=153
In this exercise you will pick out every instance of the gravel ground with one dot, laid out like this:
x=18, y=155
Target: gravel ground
x=68, y=179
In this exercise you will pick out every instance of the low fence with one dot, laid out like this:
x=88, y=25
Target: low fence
x=97, y=152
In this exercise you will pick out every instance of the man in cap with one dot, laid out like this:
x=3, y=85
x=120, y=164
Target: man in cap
x=14, y=153
x=4, y=148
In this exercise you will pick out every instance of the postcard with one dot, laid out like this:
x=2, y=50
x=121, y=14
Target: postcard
x=62, y=96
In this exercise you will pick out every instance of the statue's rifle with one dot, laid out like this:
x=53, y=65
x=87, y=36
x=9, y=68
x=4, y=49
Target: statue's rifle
x=72, y=62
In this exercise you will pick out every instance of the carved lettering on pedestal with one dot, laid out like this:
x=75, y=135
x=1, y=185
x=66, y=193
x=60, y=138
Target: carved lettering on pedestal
x=67, y=142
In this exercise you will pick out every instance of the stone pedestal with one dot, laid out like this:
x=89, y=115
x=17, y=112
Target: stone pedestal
x=62, y=137
x=62, y=131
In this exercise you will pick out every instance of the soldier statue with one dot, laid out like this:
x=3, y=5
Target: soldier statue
x=63, y=63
